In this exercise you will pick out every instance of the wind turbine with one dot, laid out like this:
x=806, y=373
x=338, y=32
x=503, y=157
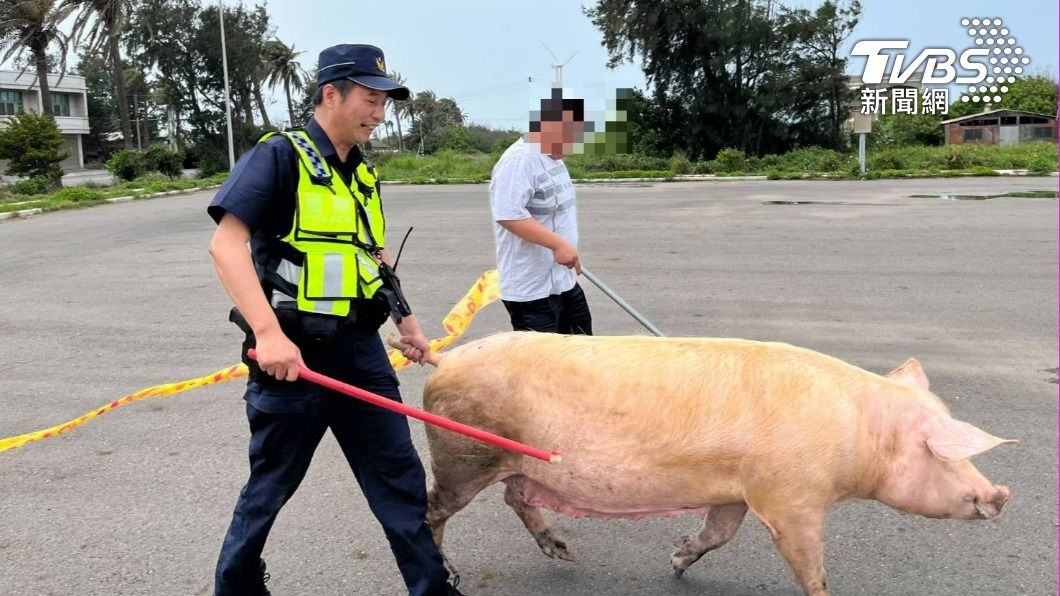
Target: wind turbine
x=556, y=66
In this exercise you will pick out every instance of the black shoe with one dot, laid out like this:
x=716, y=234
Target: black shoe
x=454, y=582
x=263, y=591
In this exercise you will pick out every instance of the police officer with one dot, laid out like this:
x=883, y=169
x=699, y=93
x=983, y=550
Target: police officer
x=313, y=290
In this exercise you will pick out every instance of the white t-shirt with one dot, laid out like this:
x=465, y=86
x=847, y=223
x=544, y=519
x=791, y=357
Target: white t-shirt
x=524, y=184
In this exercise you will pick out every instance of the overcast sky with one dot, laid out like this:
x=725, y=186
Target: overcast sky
x=482, y=52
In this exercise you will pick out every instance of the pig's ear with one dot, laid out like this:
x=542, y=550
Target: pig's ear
x=953, y=440
x=910, y=373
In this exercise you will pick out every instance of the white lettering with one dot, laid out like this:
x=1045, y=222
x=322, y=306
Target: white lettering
x=946, y=65
x=972, y=65
x=875, y=62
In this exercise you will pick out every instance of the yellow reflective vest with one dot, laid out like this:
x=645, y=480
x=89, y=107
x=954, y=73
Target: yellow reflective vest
x=338, y=230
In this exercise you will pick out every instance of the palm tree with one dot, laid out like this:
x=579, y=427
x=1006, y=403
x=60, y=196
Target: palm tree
x=281, y=66
x=259, y=76
x=399, y=108
x=389, y=126
x=99, y=24
x=34, y=25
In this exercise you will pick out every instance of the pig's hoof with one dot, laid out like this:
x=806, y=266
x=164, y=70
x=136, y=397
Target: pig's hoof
x=553, y=547
x=686, y=553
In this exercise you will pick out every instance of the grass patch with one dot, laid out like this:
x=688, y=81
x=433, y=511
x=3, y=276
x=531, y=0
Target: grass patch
x=95, y=193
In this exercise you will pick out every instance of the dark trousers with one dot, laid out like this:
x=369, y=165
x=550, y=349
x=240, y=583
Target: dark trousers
x=559, y=313
x=379, y=450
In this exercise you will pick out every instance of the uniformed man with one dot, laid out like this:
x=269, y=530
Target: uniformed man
x=313, y=289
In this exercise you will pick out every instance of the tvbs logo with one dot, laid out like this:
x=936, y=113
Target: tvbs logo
x=995, y=60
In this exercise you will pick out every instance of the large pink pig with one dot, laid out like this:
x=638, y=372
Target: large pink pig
x=658, y=426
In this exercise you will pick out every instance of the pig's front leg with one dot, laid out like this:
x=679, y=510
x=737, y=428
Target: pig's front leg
x=719, y=527
x=535, y=522
x=797, y=535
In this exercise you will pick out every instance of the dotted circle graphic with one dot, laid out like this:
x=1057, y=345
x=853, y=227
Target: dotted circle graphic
x=989, y=32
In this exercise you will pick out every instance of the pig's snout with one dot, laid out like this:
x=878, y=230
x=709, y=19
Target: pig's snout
x=991, y=508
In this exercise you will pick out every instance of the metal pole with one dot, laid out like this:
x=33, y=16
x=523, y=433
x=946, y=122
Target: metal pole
x=622, y=303
x=228, y=96
x=861, y=152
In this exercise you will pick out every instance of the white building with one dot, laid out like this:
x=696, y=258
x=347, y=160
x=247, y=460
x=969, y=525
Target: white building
x=21, y=93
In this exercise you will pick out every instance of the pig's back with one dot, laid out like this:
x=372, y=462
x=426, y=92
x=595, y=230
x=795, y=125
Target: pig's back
x=650, y=424
x=641, y=387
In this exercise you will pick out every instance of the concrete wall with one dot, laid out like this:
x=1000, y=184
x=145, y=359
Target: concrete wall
x=955, y=134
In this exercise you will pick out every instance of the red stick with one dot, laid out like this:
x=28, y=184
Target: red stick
x=475, y=433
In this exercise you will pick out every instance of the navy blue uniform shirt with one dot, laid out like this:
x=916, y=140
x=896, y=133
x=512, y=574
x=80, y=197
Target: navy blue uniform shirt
x=261, y=191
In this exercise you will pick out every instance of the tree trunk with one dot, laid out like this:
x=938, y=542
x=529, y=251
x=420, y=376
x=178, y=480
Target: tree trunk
x=248, y=113
x=119, y=83
x=401, y=140
x=290, y=106
x=261, y=105
x=40, y=56
x=171, y=126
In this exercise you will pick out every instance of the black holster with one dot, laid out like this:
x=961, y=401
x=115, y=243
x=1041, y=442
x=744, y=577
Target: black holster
x=308, y=331
x=391, y=292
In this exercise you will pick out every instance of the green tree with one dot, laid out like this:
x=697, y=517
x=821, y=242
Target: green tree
x=31, y=143
x=1033, y=94
x=431, y=117
x=735, y=73
x=34, y=25
x=99, y=24
x=102, y=107
x=158, y=40
x=400, y=109
x=246, y=31
x=282, y=66
x=903, y=130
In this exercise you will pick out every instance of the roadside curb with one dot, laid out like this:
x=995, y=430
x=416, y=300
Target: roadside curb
x=21, y=214
x=166, y=193
x=24, y=213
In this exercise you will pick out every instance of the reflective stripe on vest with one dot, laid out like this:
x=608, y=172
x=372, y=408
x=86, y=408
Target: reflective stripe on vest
x=331, y=234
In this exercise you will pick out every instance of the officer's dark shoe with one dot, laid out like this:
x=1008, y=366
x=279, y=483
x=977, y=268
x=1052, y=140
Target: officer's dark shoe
x=262, y=590
x=454, y=582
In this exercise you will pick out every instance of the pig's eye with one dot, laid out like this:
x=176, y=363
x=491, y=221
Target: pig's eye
x=969, y=498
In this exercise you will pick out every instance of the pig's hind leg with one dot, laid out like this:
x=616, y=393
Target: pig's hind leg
x=534, y=521
x=457, y=480
x=719, y=527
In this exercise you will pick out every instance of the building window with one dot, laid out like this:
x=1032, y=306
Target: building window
x=973, y=134
x=60, y=104
x=1043, y=132
x=10, y=102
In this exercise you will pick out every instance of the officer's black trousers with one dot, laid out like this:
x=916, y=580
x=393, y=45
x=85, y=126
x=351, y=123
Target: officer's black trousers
x=377, y=446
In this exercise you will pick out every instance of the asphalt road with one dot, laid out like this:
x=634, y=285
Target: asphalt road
x=99, y=303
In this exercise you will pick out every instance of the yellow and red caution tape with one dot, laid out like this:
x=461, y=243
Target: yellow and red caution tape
x=455, y=323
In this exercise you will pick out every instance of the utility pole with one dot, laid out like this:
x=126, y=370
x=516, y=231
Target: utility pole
x=228, y=96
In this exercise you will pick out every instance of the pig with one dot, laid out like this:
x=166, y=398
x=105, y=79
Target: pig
x=715, y=427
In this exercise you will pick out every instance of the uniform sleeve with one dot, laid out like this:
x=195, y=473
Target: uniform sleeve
x=259, y=186
x=511, y=187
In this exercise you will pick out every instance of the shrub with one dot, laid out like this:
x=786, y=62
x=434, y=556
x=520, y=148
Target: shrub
x=127, y=164
x=730, y=160
x=31, y=143
x=37, y=185
x=77, y=195
x=679, y=165
x=1042, y=165
x=162, y=159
